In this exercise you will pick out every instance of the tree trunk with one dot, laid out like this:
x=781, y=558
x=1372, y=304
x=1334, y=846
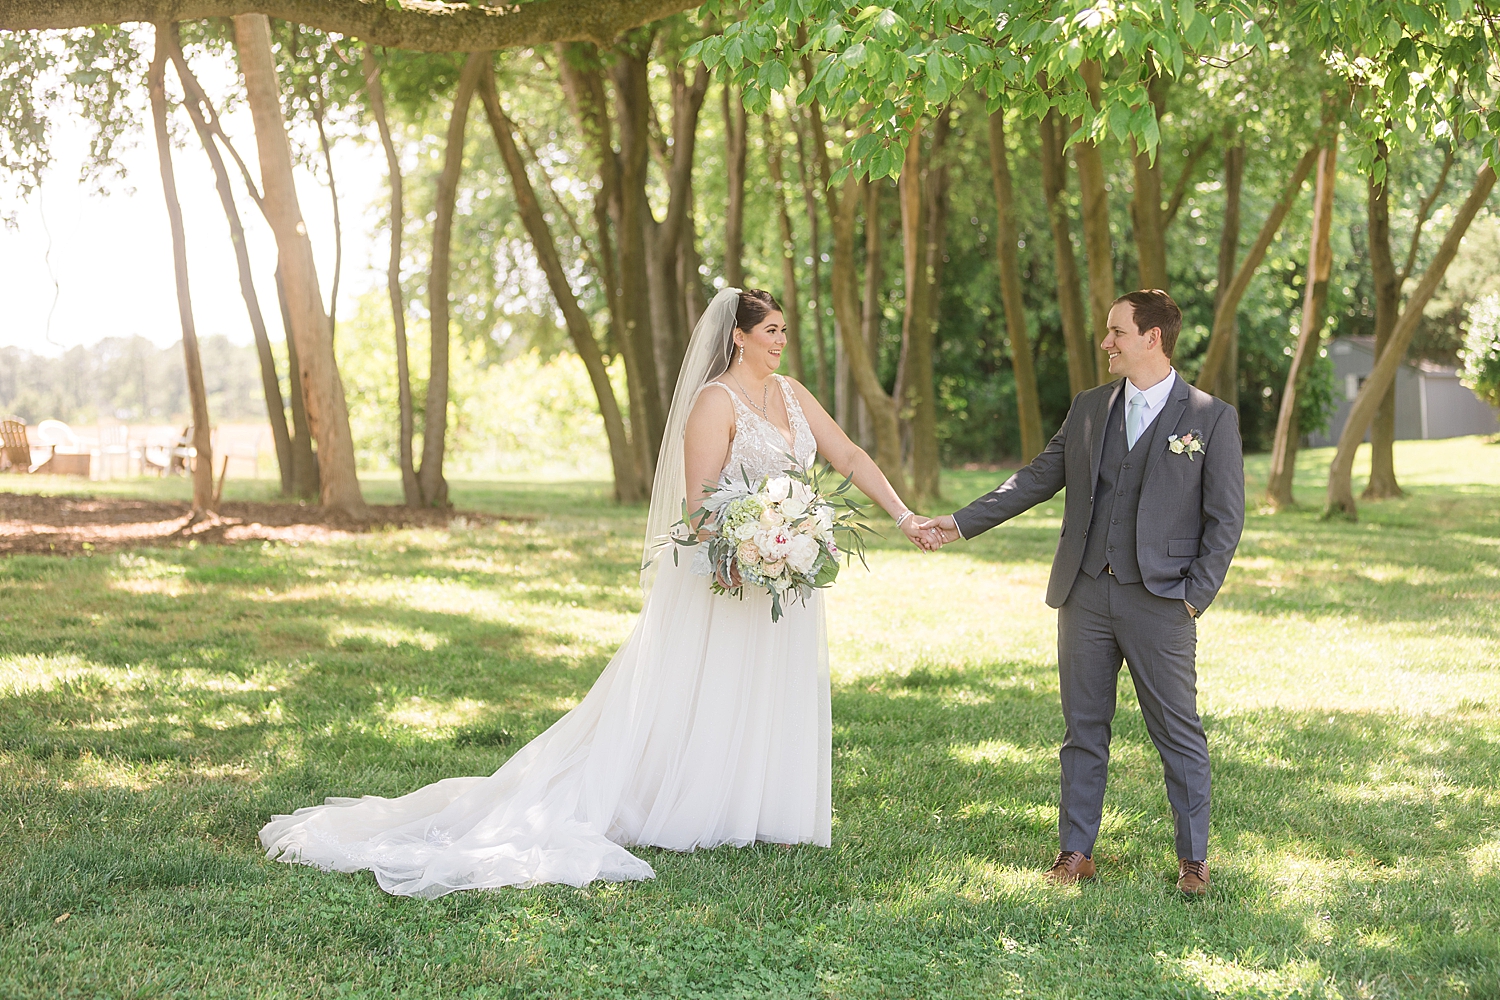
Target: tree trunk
x=1028, y=402
x=327, y=412
x=198, y=110
x=1380, y=380
x=815, y=250
x=1069, y=287
x=789, y=295
x=1315, y=298
x=1227, y=304
x=914, y=370
x=434, y=435
x=1096, y=240
x=736, y=134
x=582, y=75
x=1145, y=206
x=664, y=239
x=629, y=488
x=203, y=463
x=333, y=196
x=927, y=462
x=411, y=490
x=1228, y=387
x=304, y=460
x=870, y=313
x=632, y=213
x=1387, y=284
x=842, y=208
x=695, y=294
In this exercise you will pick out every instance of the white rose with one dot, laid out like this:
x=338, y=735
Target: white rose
x=770, y=517
x=792, y=507
x=801, y=492
x=779, y=488
x=801, y=554
x=746, y=531
x=824, y=517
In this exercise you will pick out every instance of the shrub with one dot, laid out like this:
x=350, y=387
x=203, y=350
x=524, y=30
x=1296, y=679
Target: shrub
x=1481, y=351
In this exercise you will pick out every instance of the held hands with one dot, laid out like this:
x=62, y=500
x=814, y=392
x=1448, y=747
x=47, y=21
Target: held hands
x=930, y=534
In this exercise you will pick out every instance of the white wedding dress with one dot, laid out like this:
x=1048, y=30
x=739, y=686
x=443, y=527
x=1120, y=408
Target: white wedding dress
x=710, y=726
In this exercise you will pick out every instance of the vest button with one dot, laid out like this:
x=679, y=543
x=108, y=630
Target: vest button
x=1125, y=466
x=1115, y=521
x=1120, y=493
x=1111, y=548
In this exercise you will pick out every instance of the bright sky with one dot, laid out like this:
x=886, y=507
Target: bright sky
x=111, y=256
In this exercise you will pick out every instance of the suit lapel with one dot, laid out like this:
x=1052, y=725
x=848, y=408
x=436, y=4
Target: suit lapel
x=1100, y=427
x=1166, y=424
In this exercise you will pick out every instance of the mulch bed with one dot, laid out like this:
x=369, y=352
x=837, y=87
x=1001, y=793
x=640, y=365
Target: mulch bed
x=68, y=525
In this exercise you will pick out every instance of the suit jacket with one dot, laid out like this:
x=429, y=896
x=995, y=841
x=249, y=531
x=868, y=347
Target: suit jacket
x=1191, y=511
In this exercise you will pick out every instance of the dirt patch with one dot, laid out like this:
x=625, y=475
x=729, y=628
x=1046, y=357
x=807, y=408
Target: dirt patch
x=66, y=525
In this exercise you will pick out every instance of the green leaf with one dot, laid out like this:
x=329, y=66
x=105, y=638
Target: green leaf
x=1119, y=121
x=1152, y=132
x=774, y=75
x=1187, y=14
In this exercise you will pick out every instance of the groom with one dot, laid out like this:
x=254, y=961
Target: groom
x=1154, y=508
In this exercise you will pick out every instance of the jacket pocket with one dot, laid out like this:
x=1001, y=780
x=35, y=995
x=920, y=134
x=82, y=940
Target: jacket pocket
x=1182, y=548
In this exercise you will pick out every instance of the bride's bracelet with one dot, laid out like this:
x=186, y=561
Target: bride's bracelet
x=902, y=519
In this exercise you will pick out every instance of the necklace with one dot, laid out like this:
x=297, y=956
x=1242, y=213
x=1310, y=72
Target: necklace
x=765, y=396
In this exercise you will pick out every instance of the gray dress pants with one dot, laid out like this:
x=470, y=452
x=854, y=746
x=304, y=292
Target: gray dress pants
x=1102, y=623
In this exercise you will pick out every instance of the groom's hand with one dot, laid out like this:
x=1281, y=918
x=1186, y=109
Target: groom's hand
x=938, y=531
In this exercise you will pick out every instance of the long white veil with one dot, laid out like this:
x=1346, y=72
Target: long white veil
x=708, y=355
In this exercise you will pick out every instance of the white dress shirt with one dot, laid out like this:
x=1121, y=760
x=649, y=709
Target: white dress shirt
x=1156, y=400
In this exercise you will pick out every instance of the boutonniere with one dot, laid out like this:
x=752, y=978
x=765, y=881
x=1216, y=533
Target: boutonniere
x=1188, y=444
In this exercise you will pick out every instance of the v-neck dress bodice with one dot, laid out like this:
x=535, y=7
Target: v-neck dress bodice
x=760, y=448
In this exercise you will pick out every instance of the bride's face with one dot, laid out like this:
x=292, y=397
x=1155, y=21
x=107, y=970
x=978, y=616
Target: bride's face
x=763, y=344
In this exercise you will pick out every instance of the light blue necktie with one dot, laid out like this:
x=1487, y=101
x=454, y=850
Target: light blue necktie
x=1135, y=418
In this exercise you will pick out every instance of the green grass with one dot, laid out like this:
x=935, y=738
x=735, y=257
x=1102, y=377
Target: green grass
x=157, y=706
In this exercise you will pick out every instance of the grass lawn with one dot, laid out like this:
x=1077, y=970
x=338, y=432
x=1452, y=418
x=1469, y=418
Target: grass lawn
x=157, y=706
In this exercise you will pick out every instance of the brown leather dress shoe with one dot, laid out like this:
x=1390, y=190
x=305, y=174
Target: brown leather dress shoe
x=1192, y=877
x=1069, y=867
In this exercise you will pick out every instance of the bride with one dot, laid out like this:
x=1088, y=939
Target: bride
x=711, y=723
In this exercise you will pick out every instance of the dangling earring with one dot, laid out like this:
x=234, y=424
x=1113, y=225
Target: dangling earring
x=742, y=354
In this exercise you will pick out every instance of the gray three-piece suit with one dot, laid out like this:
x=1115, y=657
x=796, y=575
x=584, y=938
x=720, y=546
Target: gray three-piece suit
x=1144, y=529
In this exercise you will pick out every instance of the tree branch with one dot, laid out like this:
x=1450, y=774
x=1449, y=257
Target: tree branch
x=1422, y=215
x=1179, y=190
x=417, y=25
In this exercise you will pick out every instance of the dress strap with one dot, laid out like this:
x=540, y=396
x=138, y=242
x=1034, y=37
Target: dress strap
x=793, y=408
x=734, y=398
x=726, y=388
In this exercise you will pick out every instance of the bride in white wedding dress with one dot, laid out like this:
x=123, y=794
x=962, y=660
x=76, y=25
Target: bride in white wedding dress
x=711, y=723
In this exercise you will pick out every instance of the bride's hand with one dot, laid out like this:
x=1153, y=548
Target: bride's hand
x=731, y=581
x=913, y=529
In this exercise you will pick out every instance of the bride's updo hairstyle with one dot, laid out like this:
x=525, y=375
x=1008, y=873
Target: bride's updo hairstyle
x=754, y=305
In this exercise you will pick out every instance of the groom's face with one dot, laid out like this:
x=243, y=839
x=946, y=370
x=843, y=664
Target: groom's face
x=1132, y=351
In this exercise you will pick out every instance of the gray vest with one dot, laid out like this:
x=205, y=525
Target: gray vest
x=1117, y=498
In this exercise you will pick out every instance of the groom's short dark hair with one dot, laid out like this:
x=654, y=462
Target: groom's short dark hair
x=1154, y=307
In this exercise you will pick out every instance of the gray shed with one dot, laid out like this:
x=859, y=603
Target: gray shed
x=1430, y=400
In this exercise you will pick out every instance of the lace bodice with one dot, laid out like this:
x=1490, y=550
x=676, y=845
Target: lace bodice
x=759, y=447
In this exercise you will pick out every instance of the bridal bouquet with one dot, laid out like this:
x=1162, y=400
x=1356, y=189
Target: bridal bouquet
x=778, y=534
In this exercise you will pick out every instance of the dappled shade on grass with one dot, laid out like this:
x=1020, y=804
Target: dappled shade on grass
x=156, y=706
